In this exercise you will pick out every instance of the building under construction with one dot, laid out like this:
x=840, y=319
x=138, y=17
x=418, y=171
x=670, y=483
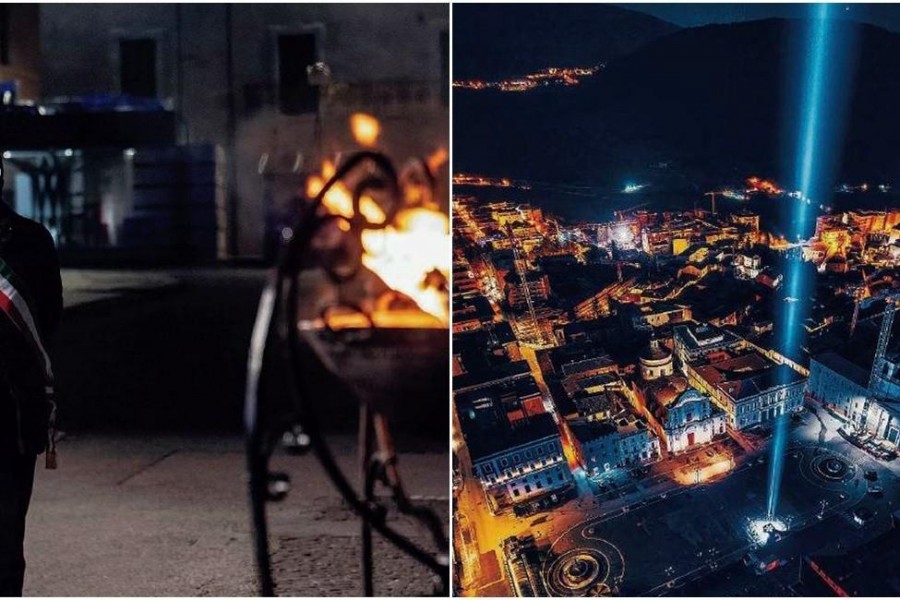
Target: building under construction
x=863, y=386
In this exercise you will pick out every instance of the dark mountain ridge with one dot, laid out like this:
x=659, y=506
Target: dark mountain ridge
x=718, y=102
x=493, y=41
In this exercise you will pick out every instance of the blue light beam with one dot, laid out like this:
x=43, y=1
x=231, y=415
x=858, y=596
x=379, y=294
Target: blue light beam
x=817, y=143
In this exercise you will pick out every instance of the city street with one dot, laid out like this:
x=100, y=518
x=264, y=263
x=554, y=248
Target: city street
x=655, y=534
x=150, y=498
x=479, y=534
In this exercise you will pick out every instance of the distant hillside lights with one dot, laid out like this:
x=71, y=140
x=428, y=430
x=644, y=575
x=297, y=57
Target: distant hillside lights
x=551, y=76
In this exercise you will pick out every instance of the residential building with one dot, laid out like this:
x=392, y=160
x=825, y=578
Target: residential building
x=518, y=464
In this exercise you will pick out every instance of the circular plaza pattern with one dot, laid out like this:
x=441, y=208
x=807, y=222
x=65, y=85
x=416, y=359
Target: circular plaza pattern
x=831, y=468
x=590, y=570
x=578, y=570
x=837, y=474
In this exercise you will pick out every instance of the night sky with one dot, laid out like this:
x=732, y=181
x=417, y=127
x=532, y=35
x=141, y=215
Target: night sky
x=691, y=15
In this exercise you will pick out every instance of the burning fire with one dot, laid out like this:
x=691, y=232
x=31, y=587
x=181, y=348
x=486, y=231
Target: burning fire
x=411, y=254
x=763, y=185
x=408, y=253
x=436, y=159
x=365, y=128
x=338, y=199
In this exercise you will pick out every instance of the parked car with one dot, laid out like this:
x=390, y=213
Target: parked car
x=862, y=515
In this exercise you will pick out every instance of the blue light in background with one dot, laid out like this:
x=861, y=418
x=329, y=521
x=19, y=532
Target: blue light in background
x=820, y=117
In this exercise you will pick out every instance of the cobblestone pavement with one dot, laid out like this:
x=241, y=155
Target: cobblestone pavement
x=150, y=498
x=306, y=565
x=164, y=516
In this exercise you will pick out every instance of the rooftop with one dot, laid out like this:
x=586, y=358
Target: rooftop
x=492, y=375
x=700, y=337
x=506, y=437
x=842, y=366
x=759, y=382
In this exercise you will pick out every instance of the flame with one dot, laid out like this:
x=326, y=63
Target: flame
x=405, y=253
x=411, y=254
x=338, y=199
x=365, y=128
x=763, y=185
x=436, y=159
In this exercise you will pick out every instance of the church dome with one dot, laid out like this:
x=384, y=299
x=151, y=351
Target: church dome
x=656, y=361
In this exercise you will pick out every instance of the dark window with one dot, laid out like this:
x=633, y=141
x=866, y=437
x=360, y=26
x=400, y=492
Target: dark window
x=137, y=67
x=4, y=34
x=295, y=94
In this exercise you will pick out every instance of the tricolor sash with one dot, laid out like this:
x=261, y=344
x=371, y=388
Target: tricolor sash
x=15, y=306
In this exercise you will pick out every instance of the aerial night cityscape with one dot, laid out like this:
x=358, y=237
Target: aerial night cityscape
x=676, y=362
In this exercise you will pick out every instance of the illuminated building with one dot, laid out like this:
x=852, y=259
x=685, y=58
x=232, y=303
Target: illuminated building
x=871, y=221
x=623, y=440
x=471, y=313
x=657, y=314
x=697, y=253
x=523, y=561
x=656, y=361
x=750, y=393
x=538, y=289
x=695, y=341
x=747, y=267
x=518, y=463
x=747, y=220
x=865, y=392
x=597, y=303
x=744, y=383
x=686, y=417
x=769, y=279
x=491, y=376
x=465, y=284
x=594, y=407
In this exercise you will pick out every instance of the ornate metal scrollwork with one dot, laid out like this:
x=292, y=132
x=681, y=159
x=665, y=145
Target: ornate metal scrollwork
x=320, y=275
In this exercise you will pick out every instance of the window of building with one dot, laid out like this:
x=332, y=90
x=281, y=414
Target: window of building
x=516, y=492
x=527, y=489
x=137, y=67
x=4, y=34
x=296, y=51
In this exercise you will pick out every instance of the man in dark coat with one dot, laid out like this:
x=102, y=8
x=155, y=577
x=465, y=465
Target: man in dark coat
x=29, y=272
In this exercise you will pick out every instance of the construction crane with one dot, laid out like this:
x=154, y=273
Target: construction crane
x=857, y=300
x=884, y=336
x=519, y=263
x=713, y=195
